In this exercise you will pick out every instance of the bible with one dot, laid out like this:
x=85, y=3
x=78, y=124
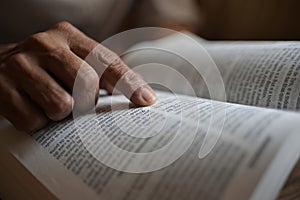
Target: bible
x=225, y=126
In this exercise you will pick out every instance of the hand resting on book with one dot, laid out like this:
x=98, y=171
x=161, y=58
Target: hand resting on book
x=37, y=77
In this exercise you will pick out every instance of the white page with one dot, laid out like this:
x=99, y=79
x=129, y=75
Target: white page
x=249, y=142
x=50, y=173
x=265, y=74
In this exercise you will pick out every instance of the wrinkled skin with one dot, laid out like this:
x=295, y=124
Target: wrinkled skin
x=37, y=77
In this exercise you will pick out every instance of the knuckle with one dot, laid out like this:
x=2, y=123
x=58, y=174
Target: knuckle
x=58, y=54
x=119, y=68
x=16, y=59
x=90, y=78
x=61, y=109
x=130, y=77
x=108, y=56
x=37, y=39
x=16, y=63
x=63, y=26
x=87, y=89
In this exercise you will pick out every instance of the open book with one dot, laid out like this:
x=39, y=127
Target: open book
x=240, y=149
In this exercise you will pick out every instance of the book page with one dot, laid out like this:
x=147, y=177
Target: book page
x=262, y=74
x=251, y=137
x=265, y=74
x=28, y=171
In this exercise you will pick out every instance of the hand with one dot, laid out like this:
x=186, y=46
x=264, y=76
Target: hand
x=37, y=77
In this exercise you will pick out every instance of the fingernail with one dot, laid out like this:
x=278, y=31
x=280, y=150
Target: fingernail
x=148, y=95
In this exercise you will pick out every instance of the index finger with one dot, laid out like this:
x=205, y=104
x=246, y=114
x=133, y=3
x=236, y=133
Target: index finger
x=115, y=72
x=109, y=66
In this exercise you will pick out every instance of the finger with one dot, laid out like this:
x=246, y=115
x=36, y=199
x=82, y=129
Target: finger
x=113, y=70
x=74, y=38
x=104, y=60
x=42, y=88
x=129, y=83
x=19, y=109
x=52, y=47
x=7, y=47
x=78, y=77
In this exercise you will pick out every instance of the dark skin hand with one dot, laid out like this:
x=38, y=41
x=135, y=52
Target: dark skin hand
x=37, y=76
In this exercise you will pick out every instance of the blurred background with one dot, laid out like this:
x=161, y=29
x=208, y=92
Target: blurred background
x=244, y=19
x=250, y=19
x=211, y=19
